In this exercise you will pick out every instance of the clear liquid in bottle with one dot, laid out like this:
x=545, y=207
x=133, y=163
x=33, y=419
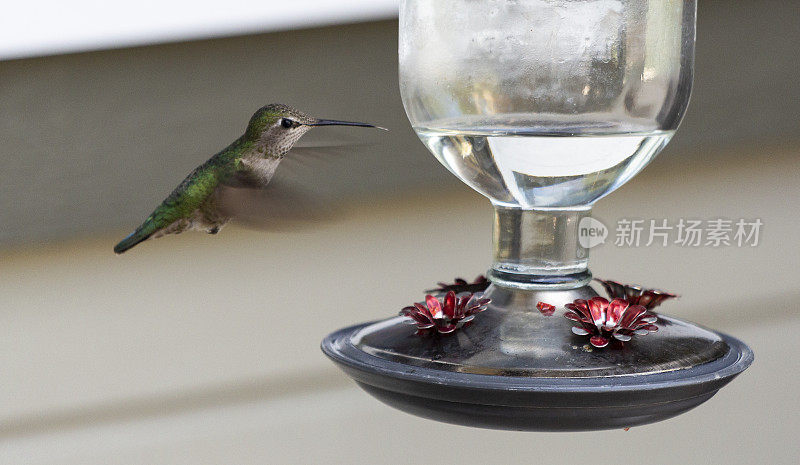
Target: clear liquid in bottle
x=541, y=166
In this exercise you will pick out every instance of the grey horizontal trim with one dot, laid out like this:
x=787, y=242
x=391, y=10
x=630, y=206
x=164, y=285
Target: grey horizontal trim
x=43, y=27
x=192, y=399
x=733, y=317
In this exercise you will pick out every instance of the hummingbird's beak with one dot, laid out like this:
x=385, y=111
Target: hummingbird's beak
x=333, y=122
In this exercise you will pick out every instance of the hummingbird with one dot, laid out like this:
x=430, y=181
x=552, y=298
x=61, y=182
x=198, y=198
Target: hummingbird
x=248, y=162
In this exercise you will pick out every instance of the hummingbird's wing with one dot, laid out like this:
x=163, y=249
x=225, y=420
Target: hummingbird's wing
x=176, y=211
x=295, y=197
x=300, y=194
x=281, y=206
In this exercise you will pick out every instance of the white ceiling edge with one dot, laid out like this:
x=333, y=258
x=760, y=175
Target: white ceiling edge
x=50, y=27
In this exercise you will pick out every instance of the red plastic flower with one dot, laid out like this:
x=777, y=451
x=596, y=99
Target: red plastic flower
x=444, y=316
x=546, y=309
x=636, y=295
x=461, y=285
x=603, y=320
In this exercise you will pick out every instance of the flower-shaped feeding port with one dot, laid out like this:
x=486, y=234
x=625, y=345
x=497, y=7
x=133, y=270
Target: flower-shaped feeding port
x=635, y=295
x=461, y=285
x=603, y=320
x=444, y=316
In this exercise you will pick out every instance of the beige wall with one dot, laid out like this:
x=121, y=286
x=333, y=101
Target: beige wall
x=91, y=142
x=204, y=350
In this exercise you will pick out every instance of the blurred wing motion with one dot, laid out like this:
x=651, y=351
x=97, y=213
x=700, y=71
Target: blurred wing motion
x=300, y=195
x=281, y=206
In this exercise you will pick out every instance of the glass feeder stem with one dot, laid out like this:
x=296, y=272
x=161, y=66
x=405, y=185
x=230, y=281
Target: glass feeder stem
x=539, y=249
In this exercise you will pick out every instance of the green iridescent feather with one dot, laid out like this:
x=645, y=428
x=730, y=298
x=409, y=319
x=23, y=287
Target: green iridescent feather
x=190, y=195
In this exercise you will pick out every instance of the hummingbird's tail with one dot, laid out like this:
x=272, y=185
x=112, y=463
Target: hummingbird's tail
x=142, y=233
x=130, y=241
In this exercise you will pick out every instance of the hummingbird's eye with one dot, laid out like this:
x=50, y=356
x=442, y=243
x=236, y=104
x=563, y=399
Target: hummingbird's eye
x=287, y=123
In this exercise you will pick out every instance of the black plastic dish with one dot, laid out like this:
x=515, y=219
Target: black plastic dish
x=535, y=404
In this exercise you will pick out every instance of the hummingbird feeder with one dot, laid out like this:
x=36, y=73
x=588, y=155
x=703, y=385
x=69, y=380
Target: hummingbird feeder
x=544, y=107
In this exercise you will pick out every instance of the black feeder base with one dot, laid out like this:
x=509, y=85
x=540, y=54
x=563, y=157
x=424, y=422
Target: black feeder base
x=526, y=371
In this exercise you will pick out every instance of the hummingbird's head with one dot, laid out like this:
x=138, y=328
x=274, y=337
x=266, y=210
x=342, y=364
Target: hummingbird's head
x=279, y=126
